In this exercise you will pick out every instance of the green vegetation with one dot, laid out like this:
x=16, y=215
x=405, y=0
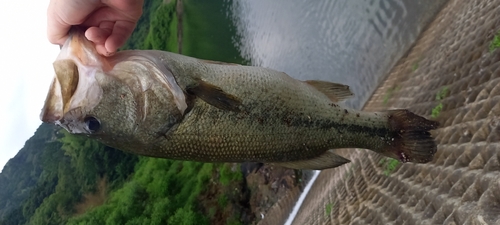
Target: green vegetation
x=138, y=38
x=209, y=35
x=349, y=172
x=414, y=67
x=227, y=175
x=233, y=221
x=69, y=167
x=52, y=177
x=495, y=43
x=222, y=200
x=437, y=110
x=439, y=97
x=328, y=208
x=21, y=174
x=389, y=93
x=389, y=165
x=160, y=191
x=163, y=29
x=442, y=93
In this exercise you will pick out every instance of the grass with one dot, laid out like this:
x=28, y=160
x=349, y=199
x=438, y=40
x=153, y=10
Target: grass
x=495, y=43
x=227, y=175
x=211, y=212
x=439, y=97
x=437, y=110
x=222, y=200
x=328, y=208
x=349, y=172
x=233, y=220
x=387, y=96
x=442, y=93
x=414, y=67
x=389, y=93
x=389, y=165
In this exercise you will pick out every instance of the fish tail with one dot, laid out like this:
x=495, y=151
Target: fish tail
x=411, y=140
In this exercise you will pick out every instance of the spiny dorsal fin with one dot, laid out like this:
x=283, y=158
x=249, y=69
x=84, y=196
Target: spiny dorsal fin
x=335, y=92
x=215, y=96
x=326, y=161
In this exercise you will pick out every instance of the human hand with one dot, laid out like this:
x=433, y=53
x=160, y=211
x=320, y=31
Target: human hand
x=108, y=23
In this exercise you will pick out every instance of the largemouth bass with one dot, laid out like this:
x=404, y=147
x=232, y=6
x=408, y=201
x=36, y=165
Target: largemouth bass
x=161, y=104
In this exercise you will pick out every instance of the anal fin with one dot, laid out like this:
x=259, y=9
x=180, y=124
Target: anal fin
x=215, y=96
x=326, y=161
x=335, y=92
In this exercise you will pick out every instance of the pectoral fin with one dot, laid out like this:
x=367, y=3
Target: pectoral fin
x=215, y=96
x=325, y=161
x=335, y=92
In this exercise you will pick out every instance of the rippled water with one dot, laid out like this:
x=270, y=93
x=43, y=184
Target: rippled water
x=354, y=42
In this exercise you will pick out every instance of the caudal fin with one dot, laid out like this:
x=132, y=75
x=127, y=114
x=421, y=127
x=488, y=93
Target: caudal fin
x=412, y=141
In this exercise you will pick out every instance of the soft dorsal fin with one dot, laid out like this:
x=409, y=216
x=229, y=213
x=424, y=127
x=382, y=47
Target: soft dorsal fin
x=214, y=95
x=326, y=161
x=335, y=92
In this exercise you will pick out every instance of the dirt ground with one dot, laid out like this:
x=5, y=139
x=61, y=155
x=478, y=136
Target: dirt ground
x=274, y=190
x=451, y=74
x=266, y=195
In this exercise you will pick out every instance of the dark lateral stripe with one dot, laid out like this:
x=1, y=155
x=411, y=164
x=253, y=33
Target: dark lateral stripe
x=340, y=127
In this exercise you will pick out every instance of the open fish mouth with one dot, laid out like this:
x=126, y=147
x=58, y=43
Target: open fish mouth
x=74, y=89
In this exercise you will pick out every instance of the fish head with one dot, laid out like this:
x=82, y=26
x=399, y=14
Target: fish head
x=124, y=101
x=74, y=91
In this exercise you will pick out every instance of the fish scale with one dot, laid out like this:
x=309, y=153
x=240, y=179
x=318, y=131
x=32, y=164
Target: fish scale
x=162, y=104
x=266, y=120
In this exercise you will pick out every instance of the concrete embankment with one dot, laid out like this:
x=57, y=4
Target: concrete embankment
x=453, y=74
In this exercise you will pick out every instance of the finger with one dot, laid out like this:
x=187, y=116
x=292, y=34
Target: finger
x=121, y=32
x=109, y=13
x=98, y=35
x=57, y=31
x=61, y=15
x=102, y=50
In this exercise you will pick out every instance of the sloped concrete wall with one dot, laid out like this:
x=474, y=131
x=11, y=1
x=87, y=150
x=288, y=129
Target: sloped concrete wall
x=462, y=184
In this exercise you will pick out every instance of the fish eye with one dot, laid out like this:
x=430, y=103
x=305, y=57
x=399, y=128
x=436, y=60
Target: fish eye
x=92, y=124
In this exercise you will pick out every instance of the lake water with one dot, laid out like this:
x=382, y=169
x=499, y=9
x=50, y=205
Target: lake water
x=354, y=42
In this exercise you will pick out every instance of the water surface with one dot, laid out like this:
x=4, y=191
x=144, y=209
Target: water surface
x=354, y=42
